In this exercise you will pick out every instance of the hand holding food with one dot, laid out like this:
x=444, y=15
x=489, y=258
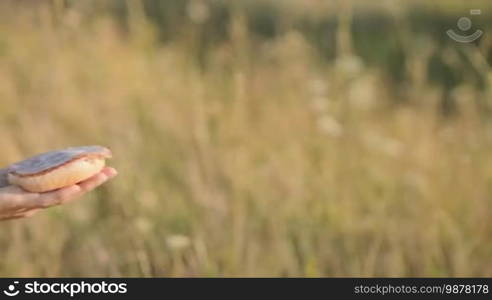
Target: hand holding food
x=57, y=169
x=52, y=178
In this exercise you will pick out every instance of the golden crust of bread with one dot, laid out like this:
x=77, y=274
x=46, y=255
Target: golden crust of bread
x=68, y=174
x=57, y=169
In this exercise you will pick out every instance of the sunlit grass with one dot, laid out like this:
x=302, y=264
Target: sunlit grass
x=258, y=164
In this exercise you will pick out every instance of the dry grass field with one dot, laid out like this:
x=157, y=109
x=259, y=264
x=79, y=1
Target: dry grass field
x=253, y=158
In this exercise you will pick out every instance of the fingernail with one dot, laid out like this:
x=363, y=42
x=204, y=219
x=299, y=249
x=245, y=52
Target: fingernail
x=113, y=172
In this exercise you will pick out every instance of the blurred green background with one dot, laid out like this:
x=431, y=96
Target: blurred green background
x=254, y=138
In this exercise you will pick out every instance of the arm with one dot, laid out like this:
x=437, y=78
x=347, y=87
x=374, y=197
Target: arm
x=16, y=203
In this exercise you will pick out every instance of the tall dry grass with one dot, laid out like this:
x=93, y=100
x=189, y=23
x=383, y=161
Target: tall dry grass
x=262, y=163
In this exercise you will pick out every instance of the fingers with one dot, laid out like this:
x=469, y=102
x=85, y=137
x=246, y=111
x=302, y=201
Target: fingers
x=15, y=197
x=97, y=180
x=15, y=191
x=18, y=199
x=68, y=194
x=58, y=197
x=26, y=214
x=24, y=203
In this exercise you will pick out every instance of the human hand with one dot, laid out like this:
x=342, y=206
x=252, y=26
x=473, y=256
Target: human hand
x=16, y=203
